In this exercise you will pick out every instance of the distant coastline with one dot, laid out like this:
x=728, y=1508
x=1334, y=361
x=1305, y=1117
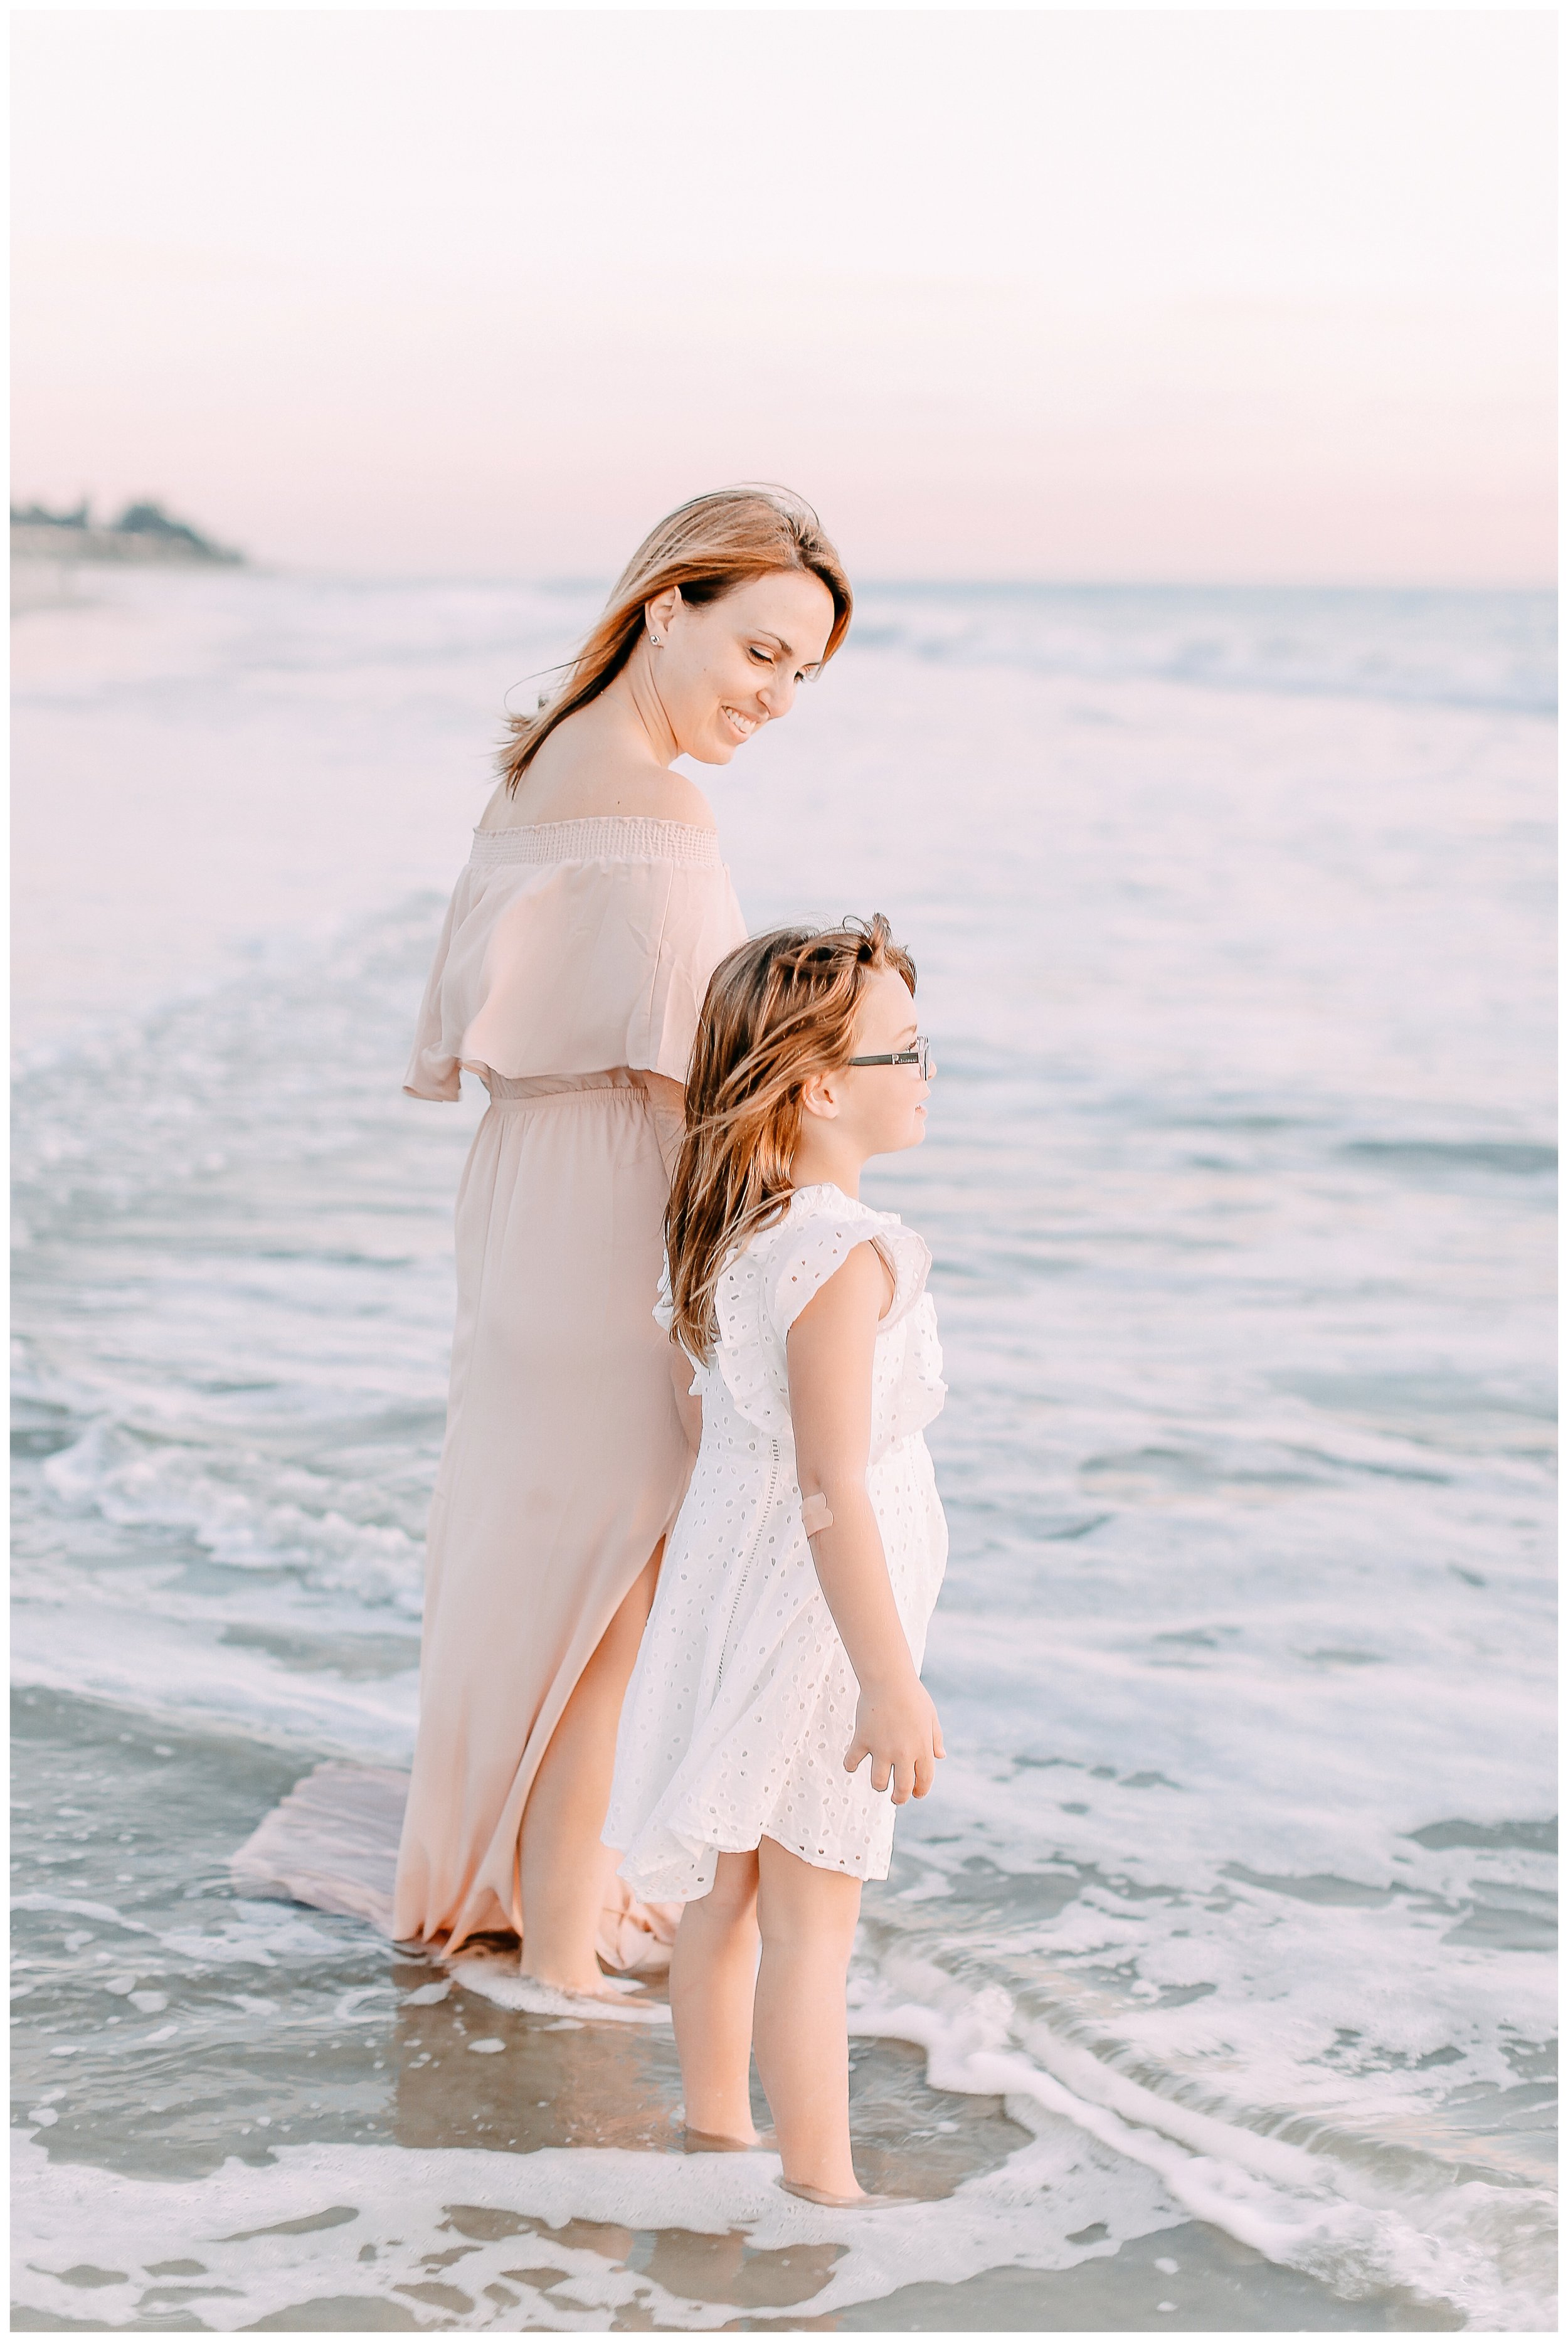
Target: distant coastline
x=143, y=532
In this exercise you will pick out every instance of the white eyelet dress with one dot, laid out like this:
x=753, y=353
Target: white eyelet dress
x=741, y=1706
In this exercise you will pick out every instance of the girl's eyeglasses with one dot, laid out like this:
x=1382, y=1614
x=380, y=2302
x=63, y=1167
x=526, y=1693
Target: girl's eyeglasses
x=919, y=1056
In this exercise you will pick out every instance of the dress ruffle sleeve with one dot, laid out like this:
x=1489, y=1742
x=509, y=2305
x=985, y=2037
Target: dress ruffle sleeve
x=753, y=1368
x=763, y=1290
x=801, y=1267
x=575, y=947
x=916, y=1396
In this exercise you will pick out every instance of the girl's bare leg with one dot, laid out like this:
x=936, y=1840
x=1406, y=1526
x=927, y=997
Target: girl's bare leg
x=807, y=1919
x=713, y=1980
x=563, y=1866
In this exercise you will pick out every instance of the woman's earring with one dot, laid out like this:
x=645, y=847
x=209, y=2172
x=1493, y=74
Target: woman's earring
x=655, y=640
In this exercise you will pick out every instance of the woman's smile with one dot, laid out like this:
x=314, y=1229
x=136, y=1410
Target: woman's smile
x=741, y=724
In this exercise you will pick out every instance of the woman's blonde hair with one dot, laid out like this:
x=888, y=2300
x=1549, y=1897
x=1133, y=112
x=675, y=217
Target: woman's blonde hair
x=779, y=1009
x=707, y=549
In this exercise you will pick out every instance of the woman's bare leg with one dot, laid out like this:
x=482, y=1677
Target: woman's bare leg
x=807, y=1919
x=563, y=1866
x=713, y=1979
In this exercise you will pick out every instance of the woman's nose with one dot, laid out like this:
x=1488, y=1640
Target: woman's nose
x=777, y=694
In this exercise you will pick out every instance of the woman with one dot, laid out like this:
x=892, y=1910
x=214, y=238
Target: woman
x=574, y=961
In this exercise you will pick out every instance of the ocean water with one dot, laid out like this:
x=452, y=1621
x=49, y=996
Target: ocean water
x=1212, y=1986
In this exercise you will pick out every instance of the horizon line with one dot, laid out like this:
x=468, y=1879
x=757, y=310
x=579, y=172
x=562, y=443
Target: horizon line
x=566, y=582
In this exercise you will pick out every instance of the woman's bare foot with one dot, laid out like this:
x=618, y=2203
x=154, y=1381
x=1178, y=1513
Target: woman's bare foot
x=713, y=2142
x=860, y=2202
x=598, y=1987
x=580, y=1987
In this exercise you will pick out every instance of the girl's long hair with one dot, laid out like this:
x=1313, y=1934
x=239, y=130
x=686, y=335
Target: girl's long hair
x=778, y=1010
x=707, y=549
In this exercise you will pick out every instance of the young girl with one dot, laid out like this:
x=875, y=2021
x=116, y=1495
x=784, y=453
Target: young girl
x=776, y=1714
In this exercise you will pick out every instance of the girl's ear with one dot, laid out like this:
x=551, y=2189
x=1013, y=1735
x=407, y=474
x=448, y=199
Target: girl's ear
x=662, y=609
x=818, y=1097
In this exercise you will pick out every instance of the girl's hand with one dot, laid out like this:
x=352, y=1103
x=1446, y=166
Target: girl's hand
x=896, y=1726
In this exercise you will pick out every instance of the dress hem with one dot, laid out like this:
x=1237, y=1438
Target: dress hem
x=668, y=1892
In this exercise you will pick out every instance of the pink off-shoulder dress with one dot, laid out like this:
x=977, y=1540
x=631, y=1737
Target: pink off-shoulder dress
x=574, y=961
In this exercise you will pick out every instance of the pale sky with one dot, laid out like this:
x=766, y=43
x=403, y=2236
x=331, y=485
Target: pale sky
x=1246, y=296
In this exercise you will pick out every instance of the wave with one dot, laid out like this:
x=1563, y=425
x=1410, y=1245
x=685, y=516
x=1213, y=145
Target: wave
x=1364, y=2217
x=324, y=2232
x=548, y=2238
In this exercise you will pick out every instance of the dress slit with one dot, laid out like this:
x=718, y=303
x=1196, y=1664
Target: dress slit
x=573, y=961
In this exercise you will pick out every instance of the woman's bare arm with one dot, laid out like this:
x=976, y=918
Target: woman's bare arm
x=667, y=1104
x=667, y=1108
x=831, y=1348
x=687, y=1404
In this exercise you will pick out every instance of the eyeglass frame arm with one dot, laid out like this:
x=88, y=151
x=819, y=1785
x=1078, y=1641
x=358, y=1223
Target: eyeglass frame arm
x=920, y=1057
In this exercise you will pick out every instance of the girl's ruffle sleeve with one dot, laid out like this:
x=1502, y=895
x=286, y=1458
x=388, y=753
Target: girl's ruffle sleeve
x=919, y=1391
x=906, y=1336
x=814, y=1248
x=763, y=1290
x=748, y=1353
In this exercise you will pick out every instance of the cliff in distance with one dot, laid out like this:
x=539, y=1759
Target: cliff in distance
x=143, y=532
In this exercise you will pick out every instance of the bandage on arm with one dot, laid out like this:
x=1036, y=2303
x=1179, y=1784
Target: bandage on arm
x=815, y=1515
